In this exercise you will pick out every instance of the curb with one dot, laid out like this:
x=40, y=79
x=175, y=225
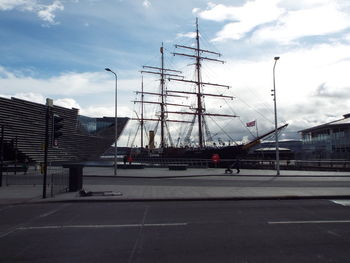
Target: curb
x=180, y=199
x=211, y=175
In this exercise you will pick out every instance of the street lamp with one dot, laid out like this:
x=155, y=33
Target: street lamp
x=276, y=132
x=115, y=121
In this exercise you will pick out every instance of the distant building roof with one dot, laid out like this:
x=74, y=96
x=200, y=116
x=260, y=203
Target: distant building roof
x=344, y=121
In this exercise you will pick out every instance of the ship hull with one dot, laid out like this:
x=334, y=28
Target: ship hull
x=228, y=152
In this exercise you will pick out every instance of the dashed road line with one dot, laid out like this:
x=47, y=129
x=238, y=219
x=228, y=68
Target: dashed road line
x=102, y=226
x=310, y=222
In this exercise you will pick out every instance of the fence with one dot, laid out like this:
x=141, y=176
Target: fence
x=318, y=165
x=164, y=162
x=340, y=165
x=57, y=178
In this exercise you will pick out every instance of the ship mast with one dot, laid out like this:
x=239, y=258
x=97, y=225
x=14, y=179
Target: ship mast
x=162, y=114
x=163, y=73
x=142, y=119
x=199, y=95
x=199, y=110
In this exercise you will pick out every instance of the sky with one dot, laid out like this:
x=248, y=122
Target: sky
x=59, y=48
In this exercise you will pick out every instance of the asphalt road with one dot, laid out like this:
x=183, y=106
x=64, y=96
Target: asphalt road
x=198, y=231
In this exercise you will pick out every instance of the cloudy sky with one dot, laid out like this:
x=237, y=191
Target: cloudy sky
x=59, y=49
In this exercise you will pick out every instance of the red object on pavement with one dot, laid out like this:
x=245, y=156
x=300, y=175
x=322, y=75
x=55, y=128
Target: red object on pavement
x=215, y=158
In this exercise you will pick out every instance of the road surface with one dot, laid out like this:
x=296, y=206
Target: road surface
x=177, y=231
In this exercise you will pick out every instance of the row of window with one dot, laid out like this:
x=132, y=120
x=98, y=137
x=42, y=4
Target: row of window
x=325, y=135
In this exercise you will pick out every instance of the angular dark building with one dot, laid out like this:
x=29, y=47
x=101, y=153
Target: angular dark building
x=83, y=138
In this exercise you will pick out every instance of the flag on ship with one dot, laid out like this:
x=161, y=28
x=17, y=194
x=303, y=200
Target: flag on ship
x=251, y=124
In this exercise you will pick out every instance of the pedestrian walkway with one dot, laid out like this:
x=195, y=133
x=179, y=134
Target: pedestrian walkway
x=165, y=172
x=15, y=194
x=129, y=190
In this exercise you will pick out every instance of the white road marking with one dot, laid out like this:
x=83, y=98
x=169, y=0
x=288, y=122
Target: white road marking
x=341, y=202
x=333, y=233
x=102, y=226
x=52, y=212
x=139, y=236
x=17, y=227
x=311, y=222
x=8, y=233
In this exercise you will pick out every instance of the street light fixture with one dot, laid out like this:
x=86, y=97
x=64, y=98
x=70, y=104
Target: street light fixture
x=276, y=131
x=115, y=120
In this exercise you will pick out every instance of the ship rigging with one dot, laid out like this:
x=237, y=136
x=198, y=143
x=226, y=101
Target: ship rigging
x=198, y=112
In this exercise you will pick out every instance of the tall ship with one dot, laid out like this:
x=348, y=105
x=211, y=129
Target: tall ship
x=183, y=110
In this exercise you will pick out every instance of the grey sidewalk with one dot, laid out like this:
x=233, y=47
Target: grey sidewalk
x=15, y=194
x=165, y=172
x=129, y=190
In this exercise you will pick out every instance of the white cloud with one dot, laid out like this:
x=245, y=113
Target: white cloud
x=195, y=10
x=311, y=83
x=146, y=3
x=48, y=12
x=30, y=96
x=33, y=97
x=186, y=35
x=97, y=111
x=67, y=103
x=64, y=84
x=302, y=4
x=278, y=20
x=246, y=17
x=318, y=20
x=45, y=12
x=5, y=73
x=70, y=86
x=28, y=5
x=220, y=12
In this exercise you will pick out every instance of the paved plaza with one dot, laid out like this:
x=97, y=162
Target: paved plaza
x=190, y=184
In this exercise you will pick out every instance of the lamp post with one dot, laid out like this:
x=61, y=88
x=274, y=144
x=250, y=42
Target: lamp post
x=115, y=121
x=275, y=107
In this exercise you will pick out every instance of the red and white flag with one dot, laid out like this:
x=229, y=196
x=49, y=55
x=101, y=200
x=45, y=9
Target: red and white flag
x=251, y=124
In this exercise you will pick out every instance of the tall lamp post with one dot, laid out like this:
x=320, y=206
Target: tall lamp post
x=275, y=107
x=115, y=121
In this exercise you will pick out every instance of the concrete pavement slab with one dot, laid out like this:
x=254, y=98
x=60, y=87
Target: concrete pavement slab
x=19, y=194
x=132, y=191
x=165, y=172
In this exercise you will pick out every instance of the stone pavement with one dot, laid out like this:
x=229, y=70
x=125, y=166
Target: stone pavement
x=15, y=194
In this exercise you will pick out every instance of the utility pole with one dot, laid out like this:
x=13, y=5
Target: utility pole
x=15, y=146
x=1, y=154
x=115, y=121
x=276, y=130
x=49, y=105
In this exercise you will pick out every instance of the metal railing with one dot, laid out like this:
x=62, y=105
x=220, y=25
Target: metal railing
x=57, y=181
x=335, y=165
x=165, y=162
